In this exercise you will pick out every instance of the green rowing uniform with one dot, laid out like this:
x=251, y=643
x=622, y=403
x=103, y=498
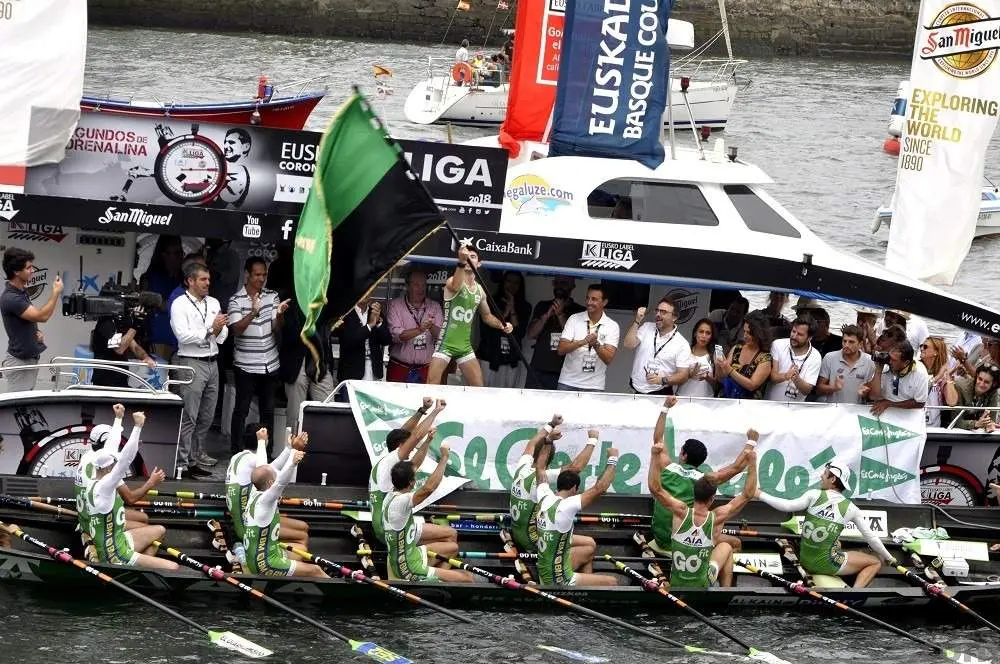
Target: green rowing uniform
x=86, y=475
x=379, y=486
x=107, y=509
x=263, y=525
x=238, y=490
x=455, y=340
x=524, y=503
x=555, y=537
x=407, y=560
x=692, y=552
x=678, y=479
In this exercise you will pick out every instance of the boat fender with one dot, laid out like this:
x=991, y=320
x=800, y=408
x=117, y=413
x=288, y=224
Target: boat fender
x=891, y=146
x=461, y=72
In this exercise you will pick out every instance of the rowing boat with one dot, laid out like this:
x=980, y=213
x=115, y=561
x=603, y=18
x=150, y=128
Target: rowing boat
x=330, y=536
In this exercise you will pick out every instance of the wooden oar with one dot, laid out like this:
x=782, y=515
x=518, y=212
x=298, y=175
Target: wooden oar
x=359, y=577
x=653, y=586
x=508, y=582
x=222, y=639
x=800, y=589
x=372, y=650
x=191, y=495
x=22, y=502
x=936, y=591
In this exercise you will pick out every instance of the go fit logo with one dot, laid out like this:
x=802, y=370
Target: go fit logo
x=531, y=194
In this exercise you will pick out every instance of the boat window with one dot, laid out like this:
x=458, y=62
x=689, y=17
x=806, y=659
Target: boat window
x=657, y=202
x=758, y=215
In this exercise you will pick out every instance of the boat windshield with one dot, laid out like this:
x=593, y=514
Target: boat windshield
x=756, y=214
x=657, y=202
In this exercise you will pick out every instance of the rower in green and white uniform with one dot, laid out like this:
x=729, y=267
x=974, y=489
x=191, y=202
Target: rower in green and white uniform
x=262, y=536
x=698, y=558
x=106, y=510
x=566, y=559
x=678, y=478
x=463, y=296
x=827, y=513
x=408, y=559
x=524, y=488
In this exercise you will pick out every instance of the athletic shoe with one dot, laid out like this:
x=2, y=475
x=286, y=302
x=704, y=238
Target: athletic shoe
x=206, y=461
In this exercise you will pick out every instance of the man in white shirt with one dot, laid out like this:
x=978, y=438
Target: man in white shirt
x=199, y=325
x=899, y=383
x=795, y=364
x=844, y=372
x=588, y=342
x=662, y=355
x=462, y=54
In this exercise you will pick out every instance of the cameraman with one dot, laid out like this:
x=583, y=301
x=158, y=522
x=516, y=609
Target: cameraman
x=899, y=382
x=113, y=338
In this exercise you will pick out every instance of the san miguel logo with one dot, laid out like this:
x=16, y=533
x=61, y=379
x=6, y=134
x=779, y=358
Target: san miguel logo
x=962, y=40
x=39, y=278
x=36, y=232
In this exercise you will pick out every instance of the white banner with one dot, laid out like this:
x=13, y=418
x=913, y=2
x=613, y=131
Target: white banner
x=950, y=118
x=487, y=430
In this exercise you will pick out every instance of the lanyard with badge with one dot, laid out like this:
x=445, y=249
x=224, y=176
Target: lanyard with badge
x=792, y=390
x=204, y=343
x=652, y=364
x=419, y=341
x=590, y=358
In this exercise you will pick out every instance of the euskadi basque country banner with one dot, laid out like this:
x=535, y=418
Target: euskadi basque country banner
x=951, y=116
x=167, y=176
x=487, y=430
x=613, y=77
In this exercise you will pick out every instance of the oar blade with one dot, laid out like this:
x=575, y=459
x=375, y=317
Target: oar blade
x=378, y=653
x=572, y=654
x=762, y=656
x=964, y=658
x=237, y=643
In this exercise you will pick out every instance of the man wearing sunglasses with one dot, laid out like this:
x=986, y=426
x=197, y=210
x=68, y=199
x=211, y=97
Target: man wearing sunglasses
x=899, y=382
x=827, y=513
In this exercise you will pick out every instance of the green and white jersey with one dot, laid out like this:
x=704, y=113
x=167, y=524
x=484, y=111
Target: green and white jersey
x=692, y=552
x=260, y=539
x=239, y=485
x=407, y=559
x=678, y=479
x=86, y=475
x=106, y=509
x=555, y=536
x=524, y=502
x=455, y=340
x=379, y=486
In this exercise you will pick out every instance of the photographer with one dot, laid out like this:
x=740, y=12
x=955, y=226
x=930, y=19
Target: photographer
x=899, y=382
x=113, y=338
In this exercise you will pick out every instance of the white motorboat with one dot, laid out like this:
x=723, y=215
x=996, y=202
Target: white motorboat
x=988, y=223
x=447, y=95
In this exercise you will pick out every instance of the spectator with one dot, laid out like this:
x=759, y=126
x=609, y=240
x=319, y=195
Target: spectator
x=975, y=395
x=824, y=341
x=988, y=353
x=889, y=338
x=729, y=323
x=916, y=328
x=547, y=323
x=934, y=356
x=415, y=323
x=200, y=326
x=162, y=277
x=745, y=370
x=843, y=372
x=25, y=342
x=662, y=359
x=224, y=270
x=363, y=338
x=898, y=382
x=970, y=347
x=113, y=339
x=299, y=384
x=867, y=321
x=255, y=316
x=462, y=54
x=588, y=343
x=780, y=326
x=500, y=360
x=702, y=382
x=796, y=364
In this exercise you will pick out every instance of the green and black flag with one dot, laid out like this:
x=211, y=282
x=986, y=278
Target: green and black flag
x=365, y=213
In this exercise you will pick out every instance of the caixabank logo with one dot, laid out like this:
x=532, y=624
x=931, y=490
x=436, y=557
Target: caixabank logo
x=962, y=40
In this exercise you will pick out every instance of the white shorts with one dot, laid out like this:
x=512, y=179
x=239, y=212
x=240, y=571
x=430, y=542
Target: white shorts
x=419, y=524
x=458, y=360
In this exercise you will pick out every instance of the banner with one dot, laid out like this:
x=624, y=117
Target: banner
x=487, y=430
x=950, y=118
x=131, y=163
x=613, y=81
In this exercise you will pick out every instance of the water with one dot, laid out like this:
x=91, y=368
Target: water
x=816, y=126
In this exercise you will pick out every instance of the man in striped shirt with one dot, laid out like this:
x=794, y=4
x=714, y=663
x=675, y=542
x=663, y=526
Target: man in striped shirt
x=255, y=316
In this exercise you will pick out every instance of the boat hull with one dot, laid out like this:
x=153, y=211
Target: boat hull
x=987, y=224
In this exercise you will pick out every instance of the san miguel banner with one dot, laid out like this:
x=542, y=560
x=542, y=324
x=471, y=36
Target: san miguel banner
x=613, y=79
x=487, y=430
x=169, y=176
x=950, y=118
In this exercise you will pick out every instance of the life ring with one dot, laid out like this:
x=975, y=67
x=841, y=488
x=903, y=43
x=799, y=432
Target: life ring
x=461, y=72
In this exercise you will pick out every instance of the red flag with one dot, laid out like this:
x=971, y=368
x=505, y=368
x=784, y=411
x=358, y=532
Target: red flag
x=534, y=72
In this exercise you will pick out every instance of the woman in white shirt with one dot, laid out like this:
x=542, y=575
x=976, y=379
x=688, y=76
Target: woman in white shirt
x=702, y=382
x=934, y=355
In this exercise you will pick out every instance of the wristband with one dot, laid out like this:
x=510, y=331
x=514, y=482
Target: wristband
x=548, y=428
x=665, y=409
x=422, y=410
x=751, y=443
x=612, y=461
x=592, y=441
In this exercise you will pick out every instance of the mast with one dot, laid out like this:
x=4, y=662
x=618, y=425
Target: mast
x=725, y=28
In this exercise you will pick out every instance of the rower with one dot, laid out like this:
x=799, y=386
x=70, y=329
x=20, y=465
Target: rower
x=408, y=559
x=106, y=510
x=699, y=559
x=262, y=520
x=566, y=559
x=400, y=443
x=100, y=436
x=239, y=486
x=679, y=477
x=523, y=489
x=827, y=512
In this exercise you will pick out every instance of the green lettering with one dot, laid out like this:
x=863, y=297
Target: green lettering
x=796, y=482
x=378, y=442
x=501, y=461
x=475, y=462
x=771, y=469
x=628, y=466
x=822, y=458
x=447, y=430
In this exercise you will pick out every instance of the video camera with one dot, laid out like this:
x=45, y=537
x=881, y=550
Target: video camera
x=113, y=301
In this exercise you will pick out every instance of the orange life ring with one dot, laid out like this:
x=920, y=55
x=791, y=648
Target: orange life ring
x=461, y=72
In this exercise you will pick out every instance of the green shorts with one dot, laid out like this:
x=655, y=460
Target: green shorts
x=830, y=565
x=270, y=566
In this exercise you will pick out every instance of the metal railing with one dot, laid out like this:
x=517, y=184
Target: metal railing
x=57, y=364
